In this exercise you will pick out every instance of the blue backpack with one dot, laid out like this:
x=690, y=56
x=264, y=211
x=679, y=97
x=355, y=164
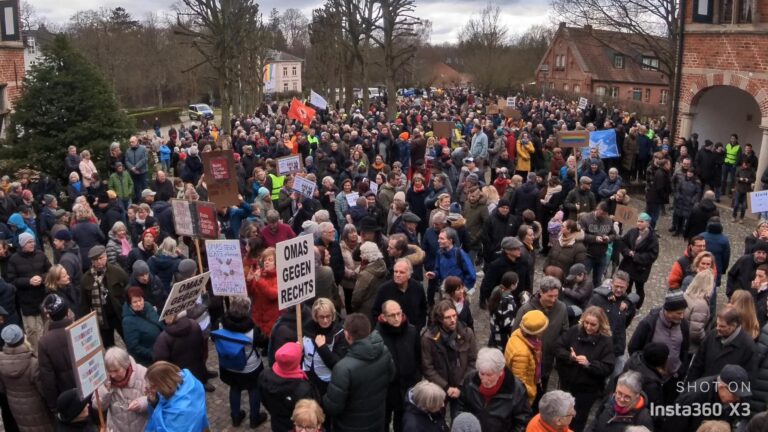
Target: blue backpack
x=231, y=347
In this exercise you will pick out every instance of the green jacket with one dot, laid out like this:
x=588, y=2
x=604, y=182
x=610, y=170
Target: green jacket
x=357, y=393
x=121, y=184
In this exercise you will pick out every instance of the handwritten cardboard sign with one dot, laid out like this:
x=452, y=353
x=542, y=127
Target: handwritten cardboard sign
x=625, y=215
x=442, y=129
x=219, y=169
x=87, y=354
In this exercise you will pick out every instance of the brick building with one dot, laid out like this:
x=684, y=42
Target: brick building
x=724, y=82
x=11, y=59
x=601, y=64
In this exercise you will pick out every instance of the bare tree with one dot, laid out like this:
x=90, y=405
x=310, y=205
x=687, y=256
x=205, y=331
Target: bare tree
x=217, y=29
x=326, y=59
x=483, y=40
x=356, y=19
x=295, y=28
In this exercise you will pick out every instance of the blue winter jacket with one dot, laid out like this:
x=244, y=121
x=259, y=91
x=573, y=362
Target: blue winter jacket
x=185, y=411
x=719, y=245
x=446, y=264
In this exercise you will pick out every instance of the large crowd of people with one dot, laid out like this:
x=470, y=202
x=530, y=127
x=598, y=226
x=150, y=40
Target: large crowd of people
x=416, y=232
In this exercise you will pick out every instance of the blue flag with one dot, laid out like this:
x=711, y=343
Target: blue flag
x=605, y=141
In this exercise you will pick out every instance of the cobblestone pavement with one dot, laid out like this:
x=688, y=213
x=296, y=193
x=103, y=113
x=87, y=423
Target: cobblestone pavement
x=670, y=248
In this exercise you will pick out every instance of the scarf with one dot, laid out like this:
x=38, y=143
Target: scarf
x=567, y=240
x=417, y=188
x=536, y=345
x=99, y=296
x=123, y=383
x=378, y=166
x=125, y=247
x=489, y=392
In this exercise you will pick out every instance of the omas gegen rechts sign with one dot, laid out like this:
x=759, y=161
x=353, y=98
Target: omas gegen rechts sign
x=295, y=271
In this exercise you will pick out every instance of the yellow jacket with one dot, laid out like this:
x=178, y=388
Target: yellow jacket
x=524, y=153
x=521, y=360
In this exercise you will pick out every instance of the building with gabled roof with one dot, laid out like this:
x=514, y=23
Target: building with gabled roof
x=602, y=64
x=282, y=72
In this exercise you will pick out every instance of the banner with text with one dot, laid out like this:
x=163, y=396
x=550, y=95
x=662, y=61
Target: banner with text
x=295, y=271
x=184, y=295
x=226, y=267
x=87, y=353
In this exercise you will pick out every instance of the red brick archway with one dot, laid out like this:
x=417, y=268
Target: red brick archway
x=695, y=85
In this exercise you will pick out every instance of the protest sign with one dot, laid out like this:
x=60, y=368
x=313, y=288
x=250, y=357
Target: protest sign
x=442, y=129
x=625, y=215
x=605, y=141
x=295, y=270
x=225, y=265
x=493, y=109
x=304, y=186
x=574, y=138
x=757, y=201
x=512, y=113
x=182, y=218
x=288, y=164
x=207, y=223
x=583, y=103
x=87, y=353
x=184, y=295
x=220, y=177
x=375, y=186
x=352, y=199
x=511, y=101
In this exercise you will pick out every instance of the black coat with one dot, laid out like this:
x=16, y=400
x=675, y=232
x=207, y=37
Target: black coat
x=619, y=320
x=697, y=221
x=643, y=335
x=741, y=274
x=507, y=410
x=182, y=344
x=87, y=235
x=113, y=213
x=413, y=301
x=279, y=396
x=659, y=186
x=599, y=351
x=712, y=355
x=638, y=266
x=606, y=420
x=496, y=270
x=496, y=229
x=526, y=198
x=416, y=420
x=56, y=374
x=21, y=267
x=652, y=379
x=404, y=344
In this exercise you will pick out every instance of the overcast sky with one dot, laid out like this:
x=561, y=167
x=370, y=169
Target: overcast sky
x=447, y=16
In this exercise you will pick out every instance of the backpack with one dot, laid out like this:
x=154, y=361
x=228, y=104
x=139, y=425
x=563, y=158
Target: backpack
x=231, y=347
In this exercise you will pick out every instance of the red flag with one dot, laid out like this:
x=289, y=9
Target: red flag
x=301, y=112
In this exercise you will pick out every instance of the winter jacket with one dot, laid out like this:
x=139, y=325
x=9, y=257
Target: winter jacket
x=713, y=355
x=140, y=331
x=56, y=373
x=441, y=367
x=687, y=194
x=318, y=362
x=638, y=266
x=585, y=199
x=455, y=262
x=701, y=393
x=164, y=267
x=658, y=186
x=741, y=274
x=524, y=153
x=719, y=245
x=652, y=379
x=577, y=293
x=594, y=227
x=20, y=382
x=185, y=411
x=496, y=228
x=367, y=286
x=526, y=197
x=760, y=377
x=87, y=235
x=279, y=396
x=599, y=351
x=136, y=157
x=116, y=401
x=745, y=180
x=417, y=420
x=476, y=216
x=404, y=345
x=609, y=187
x=699, y=218
x=22, y=266
x=153, y=290
x=606, y=420
x=112, y=214
x=8, y=308
x=263, y=294
x=357, y=393
x=501, y=265
x=619, y=320
x=558, y=324
x=115, y=280
x=72, y=261
x=645, y=330
x=521, y=361
x=598, y=177
x=413, y=301
x=697, y=314
x=182, y=344
x=506, y=411
x=564, y=256
x=122, y=184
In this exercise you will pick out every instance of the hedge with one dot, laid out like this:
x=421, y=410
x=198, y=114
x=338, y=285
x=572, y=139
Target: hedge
x=167, y=116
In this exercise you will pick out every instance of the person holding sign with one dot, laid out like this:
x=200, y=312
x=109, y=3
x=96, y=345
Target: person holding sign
x=262, y=289
x=176, y=399
x=124, y=399
x=56, y=372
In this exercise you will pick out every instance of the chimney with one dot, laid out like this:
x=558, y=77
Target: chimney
x=561, y=25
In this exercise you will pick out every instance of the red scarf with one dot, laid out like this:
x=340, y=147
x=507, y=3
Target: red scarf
x=489, y=392
x=123, y=383
x=536, y=345
x=417, y=188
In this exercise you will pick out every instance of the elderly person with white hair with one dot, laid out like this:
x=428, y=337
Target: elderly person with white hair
x=494, y=395
x=626, y=407
x=424, y=408
x=610, y=185
x=326, y=237
x=556, y=411
x=373, y=272
x=124, y=399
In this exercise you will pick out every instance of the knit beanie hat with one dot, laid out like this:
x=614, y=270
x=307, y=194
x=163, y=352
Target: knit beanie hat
x=69, y=405
x=655, y=354
x=466, y=422
x=12, y=335
x=675, y=301
x=55, y=307
x=534, y=323
x=288, y=361
x=187, y=268
x=140, y=268
x=25, y=238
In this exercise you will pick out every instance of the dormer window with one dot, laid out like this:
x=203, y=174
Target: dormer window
x=618, y=61
x=650, y=63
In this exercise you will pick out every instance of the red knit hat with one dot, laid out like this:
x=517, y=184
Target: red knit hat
x=288, y=362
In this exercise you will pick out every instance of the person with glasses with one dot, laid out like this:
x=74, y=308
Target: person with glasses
x=626, y=407
x=556, y=412
x=324, y=344
x=307, y=416
x=585, y=358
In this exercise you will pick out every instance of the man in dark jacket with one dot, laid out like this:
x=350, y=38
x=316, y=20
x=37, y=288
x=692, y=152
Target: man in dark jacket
x=598, y=234
x=356, y=397
x=510, y=260
x=26, y=270
x=408, y=293
x=102, y=290
x=658, y=187
x=163, y=187
x=669, y=326
x=501, y=223
x=701, y=214
x=724, y=391
x=526, y=197
x=620, y=311
x=47, y=216
x=580, y=199
x=56, y=374
x=729, y=343
x=639, y=248
x=742, y=273
x=404, y=344
x=650, y=363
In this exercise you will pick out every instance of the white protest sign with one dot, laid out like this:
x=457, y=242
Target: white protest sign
x=304, y=186
x=295, y=271
x=184, y=294
x=583, y=103
x=758, y=201
x=352, y=199
x=288, y=164
x=375, y=186
x=87, y=353
x=182, y=218
x=226, y=267
x=511, y=101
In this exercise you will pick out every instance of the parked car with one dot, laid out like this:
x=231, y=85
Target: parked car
x=200, y=111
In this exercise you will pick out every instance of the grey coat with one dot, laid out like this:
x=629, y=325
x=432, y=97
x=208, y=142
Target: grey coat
x=20, y=380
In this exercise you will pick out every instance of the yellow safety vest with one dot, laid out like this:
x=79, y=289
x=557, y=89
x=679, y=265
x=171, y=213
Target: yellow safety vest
x=732, y=153
x=277, y=184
